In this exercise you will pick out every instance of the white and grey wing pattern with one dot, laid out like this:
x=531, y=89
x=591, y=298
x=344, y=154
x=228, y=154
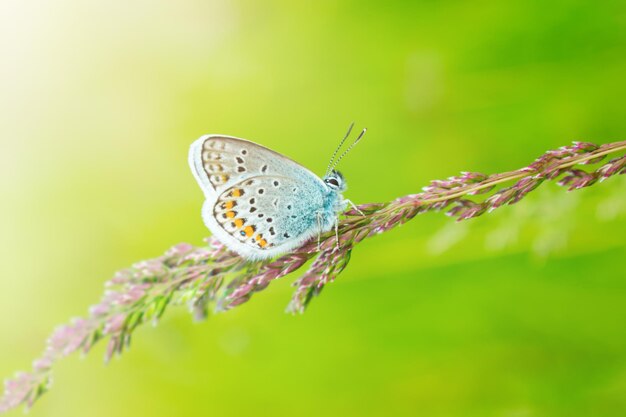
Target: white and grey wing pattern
x=258, y=202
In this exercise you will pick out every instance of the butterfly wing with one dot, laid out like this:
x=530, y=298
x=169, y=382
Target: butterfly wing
x=218, y=162
x=258, y=202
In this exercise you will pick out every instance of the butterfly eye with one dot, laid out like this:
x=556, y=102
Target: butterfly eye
x=333, y=182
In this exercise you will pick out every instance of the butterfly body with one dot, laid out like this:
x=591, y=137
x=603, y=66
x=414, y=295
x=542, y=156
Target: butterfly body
x=260, y=203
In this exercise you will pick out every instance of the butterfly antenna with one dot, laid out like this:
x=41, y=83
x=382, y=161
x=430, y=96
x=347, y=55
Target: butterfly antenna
x=349, y=148
x=332, y=158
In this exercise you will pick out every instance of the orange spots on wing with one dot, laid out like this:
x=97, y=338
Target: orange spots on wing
x=231, y=214
x=228, y=205
x=224, y=178
x=248, y=230
x=237, y=192
x=238, y=223
x=260, y=241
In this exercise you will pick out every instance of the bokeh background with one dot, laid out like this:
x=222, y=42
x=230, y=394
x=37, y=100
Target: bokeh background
x=519, y=313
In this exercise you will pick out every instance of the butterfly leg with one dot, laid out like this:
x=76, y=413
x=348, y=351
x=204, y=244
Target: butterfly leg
x=319, y=230
x=354, y=207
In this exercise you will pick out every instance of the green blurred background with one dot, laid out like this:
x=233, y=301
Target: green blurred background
x=520, y=313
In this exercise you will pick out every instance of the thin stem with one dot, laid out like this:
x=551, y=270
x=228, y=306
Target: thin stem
x=210, y=275
x=613, y=147
x=513, y=175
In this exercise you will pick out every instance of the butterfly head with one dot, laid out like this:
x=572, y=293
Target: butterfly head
x=335, y=181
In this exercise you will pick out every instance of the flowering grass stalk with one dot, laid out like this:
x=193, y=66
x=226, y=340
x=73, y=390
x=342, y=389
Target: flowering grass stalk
x=210, y=276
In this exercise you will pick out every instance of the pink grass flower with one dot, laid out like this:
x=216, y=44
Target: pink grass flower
x=213, y=276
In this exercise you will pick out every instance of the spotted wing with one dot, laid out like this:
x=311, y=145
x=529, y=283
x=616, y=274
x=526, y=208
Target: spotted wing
x=219, y=162
x=268, y=215
x=258, y=202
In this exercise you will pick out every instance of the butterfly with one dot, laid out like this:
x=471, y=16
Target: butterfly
x=260, y=203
